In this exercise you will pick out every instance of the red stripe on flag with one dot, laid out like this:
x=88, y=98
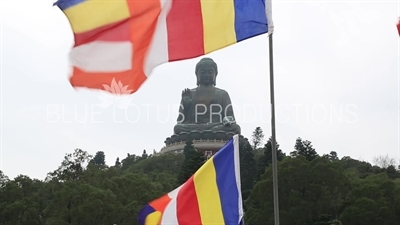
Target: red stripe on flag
x=187, y=206
x=398, y=26
x=185, y=30
x=119, y=31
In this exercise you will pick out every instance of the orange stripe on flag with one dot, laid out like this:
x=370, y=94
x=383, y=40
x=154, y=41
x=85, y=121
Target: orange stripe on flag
x=98, y=80
x=160, y=203
x=142, y=23
x=144, y=15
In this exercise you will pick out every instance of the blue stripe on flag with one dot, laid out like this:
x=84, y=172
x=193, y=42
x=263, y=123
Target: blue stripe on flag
x=65, y=4
x=250, y=18
x=144, y=213
x=224, y=162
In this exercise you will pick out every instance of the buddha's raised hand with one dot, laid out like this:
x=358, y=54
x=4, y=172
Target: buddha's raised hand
x=187, y=94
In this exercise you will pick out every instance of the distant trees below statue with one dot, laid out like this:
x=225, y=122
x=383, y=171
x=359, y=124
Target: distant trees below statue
x=314, y=189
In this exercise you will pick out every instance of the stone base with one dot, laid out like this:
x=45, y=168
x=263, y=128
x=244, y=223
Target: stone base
x=206, y=146
x=196, y=135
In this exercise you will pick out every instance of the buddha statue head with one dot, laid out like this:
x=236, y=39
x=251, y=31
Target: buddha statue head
x=206, y=72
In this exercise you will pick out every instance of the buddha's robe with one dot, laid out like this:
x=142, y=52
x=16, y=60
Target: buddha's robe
x=205, y=111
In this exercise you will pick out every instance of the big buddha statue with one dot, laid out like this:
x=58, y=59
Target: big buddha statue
x=206, y=107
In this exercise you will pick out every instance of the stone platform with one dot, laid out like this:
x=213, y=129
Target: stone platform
x=207, y=141
x=197, y=135
x=209, y=147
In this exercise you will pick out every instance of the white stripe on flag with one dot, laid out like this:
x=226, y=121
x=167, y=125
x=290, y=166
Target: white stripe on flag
x=169, y=216
x=158, y=49
x=268, y=11
x=101, y=56
x=237, y=174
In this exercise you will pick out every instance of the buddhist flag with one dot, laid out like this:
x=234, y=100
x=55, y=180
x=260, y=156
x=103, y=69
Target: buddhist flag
x=211, y=196
x=398, y=26
x=125, y=40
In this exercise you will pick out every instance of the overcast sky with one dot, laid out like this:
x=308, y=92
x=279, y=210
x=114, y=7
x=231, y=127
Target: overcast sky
x=336, y=85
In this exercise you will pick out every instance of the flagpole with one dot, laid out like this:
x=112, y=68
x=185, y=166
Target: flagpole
x=274, y=150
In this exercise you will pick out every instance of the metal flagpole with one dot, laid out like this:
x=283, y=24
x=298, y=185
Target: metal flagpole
x=274, y=150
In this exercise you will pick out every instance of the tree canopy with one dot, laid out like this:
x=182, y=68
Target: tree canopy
x=313, y=189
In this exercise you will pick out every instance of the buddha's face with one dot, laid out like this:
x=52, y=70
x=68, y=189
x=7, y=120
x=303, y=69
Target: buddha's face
x=206, y=75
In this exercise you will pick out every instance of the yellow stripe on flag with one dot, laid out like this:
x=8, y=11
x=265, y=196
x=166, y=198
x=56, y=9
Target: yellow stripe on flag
x=218, y=24
x=92, y=14
x=153, y=218
x=205, y=182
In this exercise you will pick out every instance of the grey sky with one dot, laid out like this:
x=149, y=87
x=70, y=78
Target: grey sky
x=336, y=84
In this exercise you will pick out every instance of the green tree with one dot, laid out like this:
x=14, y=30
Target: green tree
x=257, y=137
x=21, y=202
x=248, y=167
x=117, y=162
x=99, y=159
x=372, y=200
x=132, y=191
x=266, y=158
x=321, y=191
x=81, y=203
x=72, y=166
x=362, y=168
x=307, y=190
x=129, y=161
x=305, y=149
x=192, y=162
x=331, y=156
x=171, y=163
x=144, y=154
x=392, y=172
x=3, y=179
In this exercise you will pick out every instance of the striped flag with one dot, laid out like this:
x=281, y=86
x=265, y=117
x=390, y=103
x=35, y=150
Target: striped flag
x=398, y=26
x=125, y=40
x=211, y=196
